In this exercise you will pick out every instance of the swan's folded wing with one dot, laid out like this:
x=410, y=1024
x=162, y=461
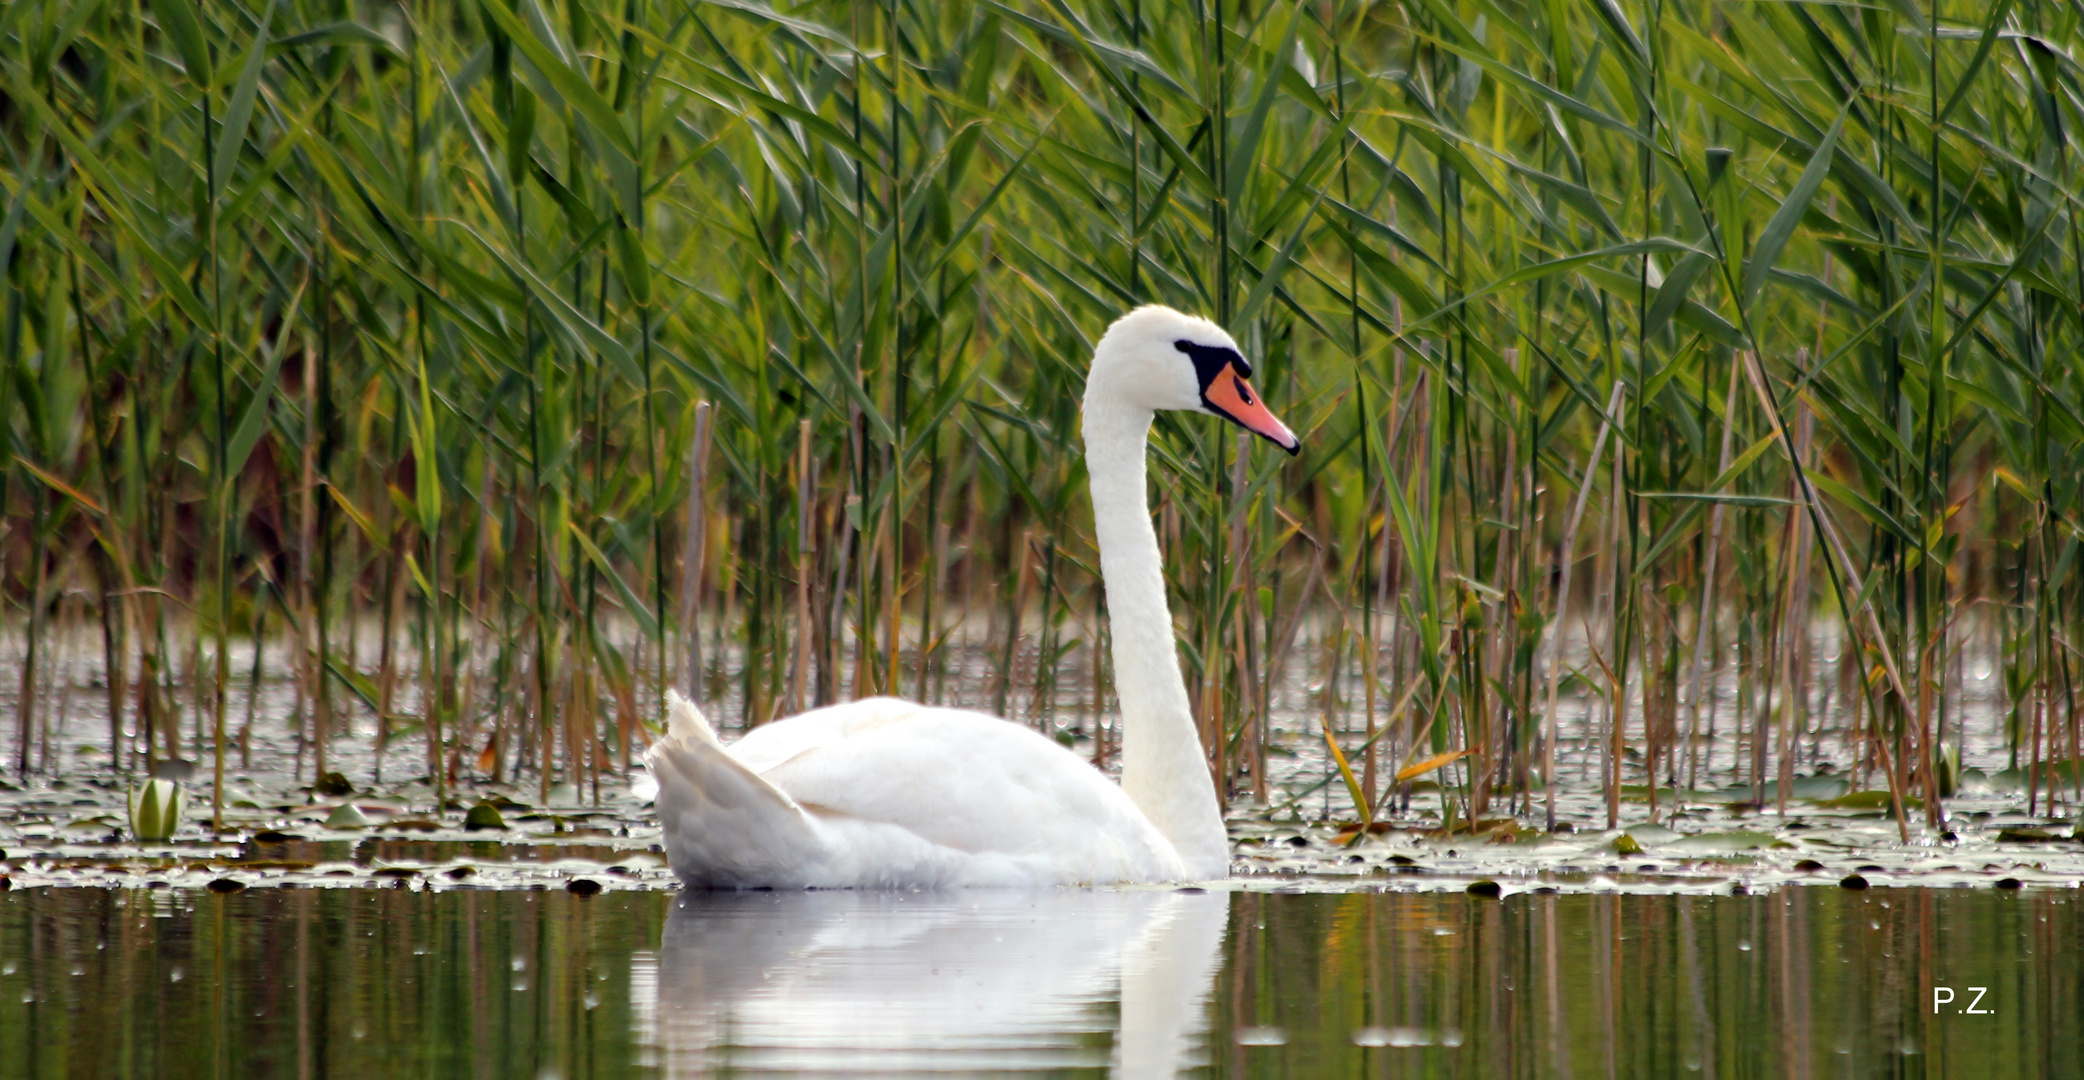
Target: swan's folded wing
x=769, y=745
x=973, y=783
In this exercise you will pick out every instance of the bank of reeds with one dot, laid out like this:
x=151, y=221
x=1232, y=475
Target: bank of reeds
x=1646, y=347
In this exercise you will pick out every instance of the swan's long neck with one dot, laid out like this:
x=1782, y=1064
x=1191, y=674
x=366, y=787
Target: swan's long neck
x=1163, y=768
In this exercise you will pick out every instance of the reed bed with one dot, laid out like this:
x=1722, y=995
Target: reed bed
x=572, y=350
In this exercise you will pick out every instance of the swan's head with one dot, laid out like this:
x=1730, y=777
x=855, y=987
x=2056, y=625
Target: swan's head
x=1157, y=358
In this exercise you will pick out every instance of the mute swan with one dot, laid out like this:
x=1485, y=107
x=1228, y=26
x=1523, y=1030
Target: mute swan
x=883, y=793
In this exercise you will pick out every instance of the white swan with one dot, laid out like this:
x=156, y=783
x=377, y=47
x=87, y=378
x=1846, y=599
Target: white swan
x=884, y=793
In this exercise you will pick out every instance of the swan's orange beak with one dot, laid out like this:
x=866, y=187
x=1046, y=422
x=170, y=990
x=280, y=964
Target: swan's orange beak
x=1230, y=394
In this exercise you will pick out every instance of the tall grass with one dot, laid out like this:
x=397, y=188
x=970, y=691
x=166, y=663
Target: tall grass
x=1634, y=343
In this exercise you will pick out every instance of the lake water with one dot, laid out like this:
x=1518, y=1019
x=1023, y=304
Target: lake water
x=366, y=982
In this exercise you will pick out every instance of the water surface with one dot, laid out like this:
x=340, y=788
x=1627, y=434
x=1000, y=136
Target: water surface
x=1801, y=982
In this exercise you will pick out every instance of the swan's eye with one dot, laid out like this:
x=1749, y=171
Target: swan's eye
x=1211, y=360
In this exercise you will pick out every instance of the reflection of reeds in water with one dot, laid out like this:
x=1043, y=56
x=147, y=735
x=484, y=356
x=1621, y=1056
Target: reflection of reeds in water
x=327, y=982
x=1646, y=985
x=1801, y=982
x=1634, y=344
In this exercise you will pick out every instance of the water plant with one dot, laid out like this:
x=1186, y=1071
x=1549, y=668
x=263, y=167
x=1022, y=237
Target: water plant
x=155, y=810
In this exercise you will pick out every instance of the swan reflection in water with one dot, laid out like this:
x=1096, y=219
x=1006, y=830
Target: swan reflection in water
x=976, y=980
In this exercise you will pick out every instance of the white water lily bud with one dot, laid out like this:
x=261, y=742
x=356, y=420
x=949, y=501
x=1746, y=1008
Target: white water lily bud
x=155, y=810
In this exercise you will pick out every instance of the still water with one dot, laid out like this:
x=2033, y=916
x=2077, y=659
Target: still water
x=1803, y=982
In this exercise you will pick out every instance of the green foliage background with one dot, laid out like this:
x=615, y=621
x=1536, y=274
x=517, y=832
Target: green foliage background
x=324, y=313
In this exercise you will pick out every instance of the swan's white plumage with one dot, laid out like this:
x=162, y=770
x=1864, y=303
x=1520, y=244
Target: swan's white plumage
x=684, y=720
x=888, y=793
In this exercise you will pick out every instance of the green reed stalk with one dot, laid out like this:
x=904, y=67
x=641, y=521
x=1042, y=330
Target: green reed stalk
x=221, y=461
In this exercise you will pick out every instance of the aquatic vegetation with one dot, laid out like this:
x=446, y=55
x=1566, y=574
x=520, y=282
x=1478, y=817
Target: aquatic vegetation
x=1690, y=387
x=155, y=809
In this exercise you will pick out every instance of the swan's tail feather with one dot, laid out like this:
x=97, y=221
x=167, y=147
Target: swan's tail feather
x=725, y=825
x=684, y=719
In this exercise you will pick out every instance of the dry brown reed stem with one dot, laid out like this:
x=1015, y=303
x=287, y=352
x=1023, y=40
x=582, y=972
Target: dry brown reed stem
x=1245, y=595
x=847, y=538
x=1371, y=672
x=1616, y=661
x=933, y=665
x=1015, y=606
x=387, y=657
x=694, y=547
x=1703, y=662
x=25, y=699
x=1566, y=557
x=893, y=599
x=1337, y=632
x=806, y=484
x=305, y=655
x=1103, y=744
x=1844, y=567
x=1786, y=614
x=1795, y=618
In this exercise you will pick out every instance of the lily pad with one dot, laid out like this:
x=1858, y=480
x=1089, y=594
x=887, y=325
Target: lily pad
x=1714, y=843
x=2053, y=774
x=347, y=816
x=1817, y=788
x=1870, y=800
